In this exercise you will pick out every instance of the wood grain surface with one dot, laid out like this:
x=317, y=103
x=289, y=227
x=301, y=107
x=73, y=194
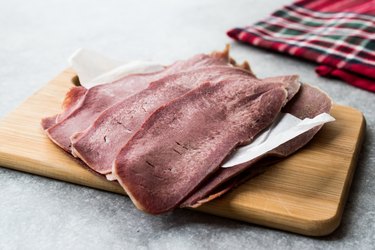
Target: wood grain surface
x=304, y=193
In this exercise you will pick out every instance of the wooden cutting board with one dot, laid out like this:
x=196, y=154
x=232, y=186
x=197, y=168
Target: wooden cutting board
x=304, y=193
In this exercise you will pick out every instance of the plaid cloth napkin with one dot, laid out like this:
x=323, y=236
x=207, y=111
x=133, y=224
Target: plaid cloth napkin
x=339, y=35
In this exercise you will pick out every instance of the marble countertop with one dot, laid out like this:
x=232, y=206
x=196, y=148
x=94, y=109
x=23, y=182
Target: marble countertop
x=36, y=39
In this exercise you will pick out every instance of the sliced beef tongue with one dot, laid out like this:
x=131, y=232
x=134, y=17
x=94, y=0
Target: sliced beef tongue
x=72, y=100
x=164, y=135
x=88, y=106
x=291, y=83
x=308, y=103
x=99, y=144
x=185, y=141
x=48, y=122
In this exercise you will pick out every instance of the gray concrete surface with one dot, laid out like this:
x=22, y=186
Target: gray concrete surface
x=36, y=38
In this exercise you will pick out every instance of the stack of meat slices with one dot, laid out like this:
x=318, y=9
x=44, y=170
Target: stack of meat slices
x=163, y=136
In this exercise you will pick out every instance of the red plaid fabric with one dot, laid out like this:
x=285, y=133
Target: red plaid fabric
x=339, y=35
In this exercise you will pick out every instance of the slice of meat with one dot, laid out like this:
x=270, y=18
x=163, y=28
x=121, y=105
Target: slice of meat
x=100, y=143
x=184, y=142
x=71, y=102
x=48, y=122
x=308, y=103
x=101, y=97
x=291, y=83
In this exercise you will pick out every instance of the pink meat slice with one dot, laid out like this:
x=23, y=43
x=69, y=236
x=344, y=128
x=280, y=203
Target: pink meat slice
x=72, y=101
x=88, y=106
x=100, y=143
x=308, y=103
x=185, y=141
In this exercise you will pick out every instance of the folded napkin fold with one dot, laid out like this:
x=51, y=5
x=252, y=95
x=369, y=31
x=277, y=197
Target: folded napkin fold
x=339, y=35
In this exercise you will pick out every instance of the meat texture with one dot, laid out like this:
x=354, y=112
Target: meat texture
x=185, y=141
x=85, y=107
x=99, y=144
x=308, y=103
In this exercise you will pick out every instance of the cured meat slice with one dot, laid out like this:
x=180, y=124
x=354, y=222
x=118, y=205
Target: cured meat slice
x=184, y=142
x=97, y=99
x=100, y=143
x=71, y=102
x=308, y=103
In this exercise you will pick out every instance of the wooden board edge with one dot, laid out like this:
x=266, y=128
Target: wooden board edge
x=315, y=228
x=333, y=223
x=7, y=161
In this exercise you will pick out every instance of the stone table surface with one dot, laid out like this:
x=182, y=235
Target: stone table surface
x=37, y=37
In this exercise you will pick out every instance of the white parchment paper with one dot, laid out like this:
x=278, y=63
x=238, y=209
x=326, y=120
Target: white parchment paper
x=285, y=128
x=93, y=69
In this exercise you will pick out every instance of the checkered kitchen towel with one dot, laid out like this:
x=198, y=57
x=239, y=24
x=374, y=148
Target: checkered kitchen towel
x=339, y=35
